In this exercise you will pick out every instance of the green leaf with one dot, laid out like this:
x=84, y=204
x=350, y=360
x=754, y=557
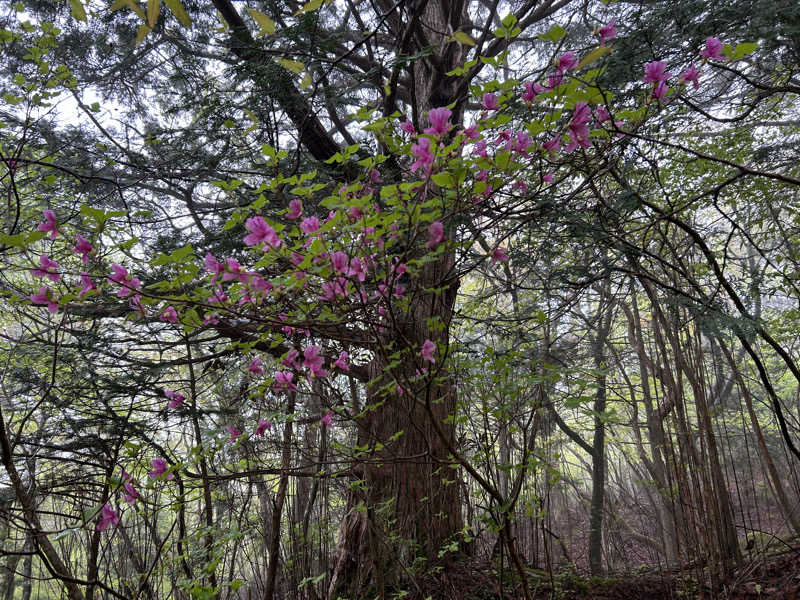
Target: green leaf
x=266, y=24
x=310, y=6
x=77, y=9
x=141, y=33
x=444, y=180
x=744, y=49
x=509, y=21
x=153, y=10
x=291, y=65
x=462, y=37
x=176, y=8
x=556, y=33
x=594, y=55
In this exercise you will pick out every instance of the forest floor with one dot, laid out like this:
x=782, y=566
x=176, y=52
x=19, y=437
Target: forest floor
x=772, y=577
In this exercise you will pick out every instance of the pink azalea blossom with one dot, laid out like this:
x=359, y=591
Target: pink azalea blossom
x=291, y=359
x=422, y=150
x=213, y=266
x=339, y=260
x=263, y=425
x=713, y=49
x=655, y=72
x=126, y=282
x=45, y=296
x=522, y=142
x=47, y=268
x=555, y=80
x=283, y=381
x=608, y=32
x=660, y=90
x=108, y=516
x=170, y=315
x=490, y=101
x=131, y=495
x=233, y=270
x=440, y=121
x=471, y=132
x=87, y=283
x=601, y=114
x=691, y=74
x=233, y=432
x=295, y=209
x=548, y=178
x=553, y=144
x=83, y=247
x=435, y=234
x=159, y=468
x=175, y=399
x=531, y=90
x=579, y=127
x=50, y=224
x=327, y=420
x=260, y=232
x=567, y=61
x=480, y=149
x=255, y=367
x=310, y=225
x=313, y=361
x=342, y=363
x=408, y=127
x=428, y=348
x=499, y=255
x=357, y=269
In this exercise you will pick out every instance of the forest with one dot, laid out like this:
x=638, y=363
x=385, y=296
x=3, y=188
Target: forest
x=426, y=299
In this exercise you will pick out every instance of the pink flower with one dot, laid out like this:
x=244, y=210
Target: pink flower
x=131, y=495
x=375, y=176
x=170, y=315
x=263, y=425
x=357, y=269
x=471, y=132
x=213, y=266
x=121, y=277
x=499, y=255
x=522, y=142
x=607, y=32
x=310, y=225
x=422, y=150
x=490, y=101
x=87, y=283
x=47, y=268
x=408, y=127
x=341, y=362
x=549, y=178
x=553, y=144
x=555, y=79
x=260, y=232
x=50, y=224
x=567, y=61
x=175, y=399
x=660, y=90
x=435, y=234
x=313, y=361
x=234, y=433
x=579, y=127
x=339, y=260
x=655, y=72
x=601, y=114
x=159, y=468
x=327, y=420
x=691, y=74
x=480, y=149
x=295, y=209
x=255, y=367
x=108, y=516
x=83, y=247
x=45, y=296
x=291, y=359
x=428, y=348
x=233, y=270
x=713, y=49
x=440, y=121
x=283, y=381
x=531, y=90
